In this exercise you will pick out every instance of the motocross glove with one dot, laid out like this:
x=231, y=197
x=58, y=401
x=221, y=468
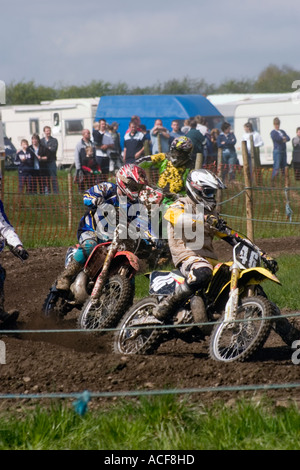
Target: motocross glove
x=271, y=263
x=215, y=222
x=20, y=252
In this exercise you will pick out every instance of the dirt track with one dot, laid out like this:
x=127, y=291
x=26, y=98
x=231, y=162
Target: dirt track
x=74, y=362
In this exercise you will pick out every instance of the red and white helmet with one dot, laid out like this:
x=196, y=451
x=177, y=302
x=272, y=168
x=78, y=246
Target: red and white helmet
x=131, y=179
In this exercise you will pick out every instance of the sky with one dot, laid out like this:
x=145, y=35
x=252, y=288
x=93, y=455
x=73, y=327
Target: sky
x=143, y=43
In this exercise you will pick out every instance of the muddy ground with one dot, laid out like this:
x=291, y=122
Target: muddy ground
x=74, y=362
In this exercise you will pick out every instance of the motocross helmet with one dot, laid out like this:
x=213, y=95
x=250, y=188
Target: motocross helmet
x=180, y=151
x=131, y=179
x=202, y=186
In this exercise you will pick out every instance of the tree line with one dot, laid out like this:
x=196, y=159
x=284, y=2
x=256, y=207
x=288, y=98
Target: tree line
x=272, y=79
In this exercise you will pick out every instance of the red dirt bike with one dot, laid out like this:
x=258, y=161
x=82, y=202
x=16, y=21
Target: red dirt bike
x=234, y=298
x=103, y=290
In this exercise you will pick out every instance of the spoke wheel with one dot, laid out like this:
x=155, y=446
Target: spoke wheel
x=237, y=341
x=117, y=296
x=129, y=339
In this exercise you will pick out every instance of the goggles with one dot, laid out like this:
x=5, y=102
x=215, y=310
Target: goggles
x=209, y=192
x=134, y=187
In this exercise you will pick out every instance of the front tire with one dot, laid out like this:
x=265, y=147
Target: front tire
x=116, y=298
x=237, y=341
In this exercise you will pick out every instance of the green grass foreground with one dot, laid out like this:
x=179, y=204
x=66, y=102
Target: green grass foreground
x=155, y=423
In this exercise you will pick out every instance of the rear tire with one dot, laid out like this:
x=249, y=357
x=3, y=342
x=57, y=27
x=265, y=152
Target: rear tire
x=116, y=298
x=128, y=340
x=240, y=340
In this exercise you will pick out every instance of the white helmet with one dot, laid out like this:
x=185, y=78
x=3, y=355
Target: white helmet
x=202, y=185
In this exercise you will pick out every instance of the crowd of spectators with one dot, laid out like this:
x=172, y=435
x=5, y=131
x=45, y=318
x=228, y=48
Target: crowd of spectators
x=99, y=153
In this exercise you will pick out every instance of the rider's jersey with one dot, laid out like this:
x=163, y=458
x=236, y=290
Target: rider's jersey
x=7, y=232
x=106, y=209
x=170, y=177
x=180, y=242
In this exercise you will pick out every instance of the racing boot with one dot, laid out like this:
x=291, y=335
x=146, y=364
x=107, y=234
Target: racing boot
x=64, y=281
x=8, y=318
x=199, y=314
x=171, y=303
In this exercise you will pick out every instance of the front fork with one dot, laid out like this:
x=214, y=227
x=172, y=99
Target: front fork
x=233, y=299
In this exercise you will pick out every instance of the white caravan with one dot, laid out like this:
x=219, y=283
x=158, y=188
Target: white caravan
x=260, y=110
x=67, y=118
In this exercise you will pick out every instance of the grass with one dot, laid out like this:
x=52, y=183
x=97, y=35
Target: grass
x=155, y=423
x=286, y=295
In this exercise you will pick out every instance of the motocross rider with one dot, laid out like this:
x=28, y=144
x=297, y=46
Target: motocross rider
x=9, y=237
x=195, y=264
x=102, y=200
x=173, y=166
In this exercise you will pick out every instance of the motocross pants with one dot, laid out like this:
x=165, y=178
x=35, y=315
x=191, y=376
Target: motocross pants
x=88, y=241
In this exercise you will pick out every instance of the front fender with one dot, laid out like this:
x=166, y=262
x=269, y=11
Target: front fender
x=129, y=256
x=252, y=276
x=259, y=274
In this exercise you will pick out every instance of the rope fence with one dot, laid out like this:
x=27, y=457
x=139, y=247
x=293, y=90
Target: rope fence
x=52, y=219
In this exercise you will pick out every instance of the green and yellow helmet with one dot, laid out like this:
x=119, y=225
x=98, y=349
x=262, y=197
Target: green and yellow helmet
x=180, y=150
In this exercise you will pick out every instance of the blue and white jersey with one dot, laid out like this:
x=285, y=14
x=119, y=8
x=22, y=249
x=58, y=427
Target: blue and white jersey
x=106, y=209
x=7, y=232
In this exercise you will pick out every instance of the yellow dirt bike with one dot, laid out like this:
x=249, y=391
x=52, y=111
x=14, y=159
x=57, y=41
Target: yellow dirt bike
x=237, y=308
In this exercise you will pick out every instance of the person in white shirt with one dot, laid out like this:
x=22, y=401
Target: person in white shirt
x=257, y=140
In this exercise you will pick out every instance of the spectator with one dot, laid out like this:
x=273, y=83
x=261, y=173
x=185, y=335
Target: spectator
x=257, y=140
x=147, y=141
x=104, y=146
x=89, y=166
x=175, y=132
x=197, y=139
x=296, y=154
x=186, y=126
x=280, y=138
x=226, y=141
x=137, y=121
x=212, y=148
x=133, y=144
x=202, y=125
x=80, y=154
x=52, y=144
x=97, y=137
x=159, y=138
x=40, y=173
x=116, y=153
x=24, y=161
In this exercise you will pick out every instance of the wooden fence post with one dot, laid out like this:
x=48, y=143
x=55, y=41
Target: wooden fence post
x=159, y=142
x=249, y=192
x=253, y=162
x=199, y=161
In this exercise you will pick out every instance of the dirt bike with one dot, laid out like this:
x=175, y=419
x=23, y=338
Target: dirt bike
x=103, y=290
x=237, y=309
